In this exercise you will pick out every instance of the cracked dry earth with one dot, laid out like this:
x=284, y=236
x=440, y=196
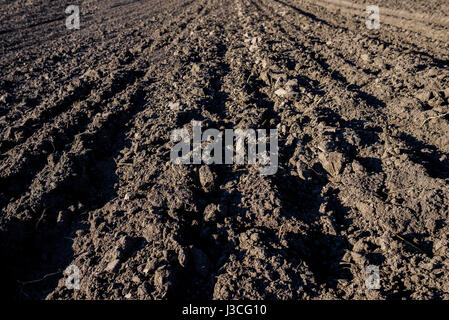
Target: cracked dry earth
x=85, y=171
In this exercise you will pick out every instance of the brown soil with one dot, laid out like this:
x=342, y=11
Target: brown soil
x=85, y=171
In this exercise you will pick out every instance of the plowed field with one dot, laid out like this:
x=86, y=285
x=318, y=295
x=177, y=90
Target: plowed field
x=86, y=178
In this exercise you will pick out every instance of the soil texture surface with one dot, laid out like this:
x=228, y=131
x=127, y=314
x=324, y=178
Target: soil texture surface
x=86, y=178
